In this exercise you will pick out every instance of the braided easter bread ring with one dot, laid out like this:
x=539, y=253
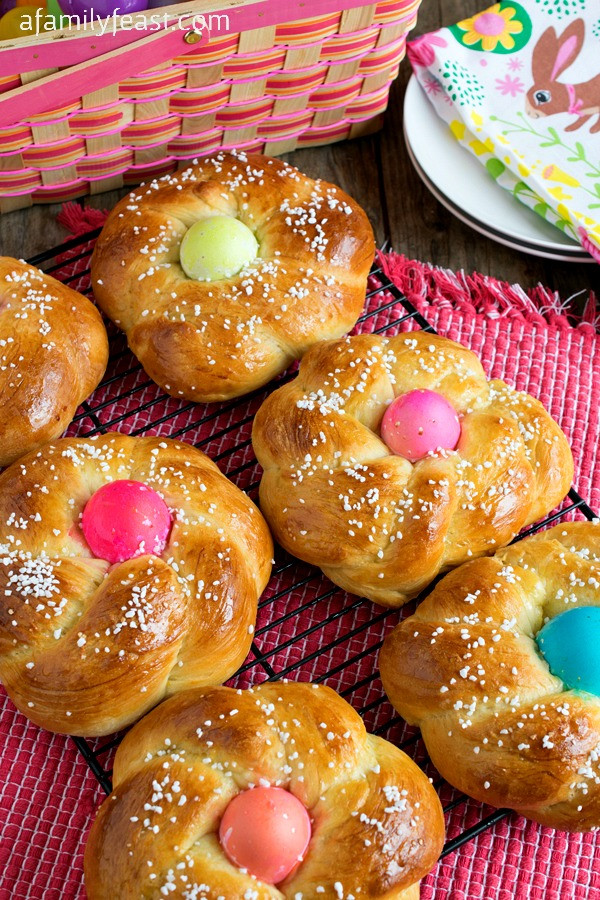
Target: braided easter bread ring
x=210, y=340
x=466, y=668
x=377, y=524
x=53, y=353
x=377, y=824
x=86, y=647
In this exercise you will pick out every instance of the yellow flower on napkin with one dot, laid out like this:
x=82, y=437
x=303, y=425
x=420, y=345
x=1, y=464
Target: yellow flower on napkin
x=554, y=173
x=492, y=27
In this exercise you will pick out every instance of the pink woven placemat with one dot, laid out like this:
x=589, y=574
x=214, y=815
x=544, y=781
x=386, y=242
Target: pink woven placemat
x=48, y=795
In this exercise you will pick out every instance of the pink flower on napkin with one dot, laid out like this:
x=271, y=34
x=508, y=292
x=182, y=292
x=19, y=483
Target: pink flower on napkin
x=508, y=85
x=432, y=86
x=421, y=51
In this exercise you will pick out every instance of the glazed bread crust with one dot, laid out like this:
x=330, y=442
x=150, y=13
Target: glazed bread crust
x=377, y=824
x=87, y=648
x=212, y=340
x=376, y=524
x=53, y=353
x=466, y=669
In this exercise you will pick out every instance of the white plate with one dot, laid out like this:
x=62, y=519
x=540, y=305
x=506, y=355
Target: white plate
x=464, y=187
x=562, y=255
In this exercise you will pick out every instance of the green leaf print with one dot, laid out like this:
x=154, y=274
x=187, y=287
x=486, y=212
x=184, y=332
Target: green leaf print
x=461, y=85
x=495, y=167
x=562, y=9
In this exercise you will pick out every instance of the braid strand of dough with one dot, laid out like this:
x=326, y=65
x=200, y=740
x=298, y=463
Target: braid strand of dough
x=86, y=648
x=376, y=524
x=53, y=353
x=466, y=669
x=219, y=339
x=377, y=823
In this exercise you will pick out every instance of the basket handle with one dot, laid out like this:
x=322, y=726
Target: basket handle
x=70, y=46
x=89, y=71
x=61, y=88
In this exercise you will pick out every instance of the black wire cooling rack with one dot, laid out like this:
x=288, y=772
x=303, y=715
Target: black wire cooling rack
x=307, y=628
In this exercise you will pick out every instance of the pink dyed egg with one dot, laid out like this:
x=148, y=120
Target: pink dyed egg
x=265, y=830
x=124, y=519
x=419, y=423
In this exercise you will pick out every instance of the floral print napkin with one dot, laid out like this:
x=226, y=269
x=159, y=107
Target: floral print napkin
x=519, y=86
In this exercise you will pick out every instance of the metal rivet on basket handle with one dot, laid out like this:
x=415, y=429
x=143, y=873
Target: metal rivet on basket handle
x=193, y=36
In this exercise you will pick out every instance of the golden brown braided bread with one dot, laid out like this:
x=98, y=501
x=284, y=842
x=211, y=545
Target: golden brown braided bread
x=377, y=824
x=377, y=524
x=209, y=340
x=466, y=669
x=53, y=353
x=87, y=648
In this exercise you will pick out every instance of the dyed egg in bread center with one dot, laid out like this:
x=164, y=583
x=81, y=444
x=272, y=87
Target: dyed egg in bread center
x=265, y=830
x=124, y=519
x=217, y=247
x=569, y=643
x=418, y=423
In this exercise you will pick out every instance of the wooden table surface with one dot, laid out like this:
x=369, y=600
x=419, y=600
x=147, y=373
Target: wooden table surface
x=377, y=171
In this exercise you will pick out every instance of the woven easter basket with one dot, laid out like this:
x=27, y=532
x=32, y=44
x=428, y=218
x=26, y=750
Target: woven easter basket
x=83, y=111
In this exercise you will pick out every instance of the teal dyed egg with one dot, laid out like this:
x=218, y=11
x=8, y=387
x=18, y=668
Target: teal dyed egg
x=570, y=644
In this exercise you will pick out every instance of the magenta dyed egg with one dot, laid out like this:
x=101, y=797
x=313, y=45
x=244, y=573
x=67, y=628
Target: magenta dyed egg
x=124, y=519
x=265, y=830
x=419, y=423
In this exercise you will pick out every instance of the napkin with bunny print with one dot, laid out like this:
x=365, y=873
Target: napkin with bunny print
x=519, y=86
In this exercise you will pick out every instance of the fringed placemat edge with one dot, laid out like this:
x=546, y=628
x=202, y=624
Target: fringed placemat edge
x=476, y=293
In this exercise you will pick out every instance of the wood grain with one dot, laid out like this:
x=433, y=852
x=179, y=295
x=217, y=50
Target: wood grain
x=376, y=170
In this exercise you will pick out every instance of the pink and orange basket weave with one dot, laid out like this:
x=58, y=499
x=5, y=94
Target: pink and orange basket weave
x=273, y=76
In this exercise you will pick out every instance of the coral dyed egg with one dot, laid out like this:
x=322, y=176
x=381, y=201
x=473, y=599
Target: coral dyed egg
x=569, y=643
x=217, y=247
x=124, y=519
x=265, y=830
x=419, y=423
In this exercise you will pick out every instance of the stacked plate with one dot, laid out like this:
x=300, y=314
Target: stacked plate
x=464, y=187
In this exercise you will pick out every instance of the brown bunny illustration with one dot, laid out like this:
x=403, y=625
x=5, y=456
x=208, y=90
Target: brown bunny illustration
x=551, y=56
